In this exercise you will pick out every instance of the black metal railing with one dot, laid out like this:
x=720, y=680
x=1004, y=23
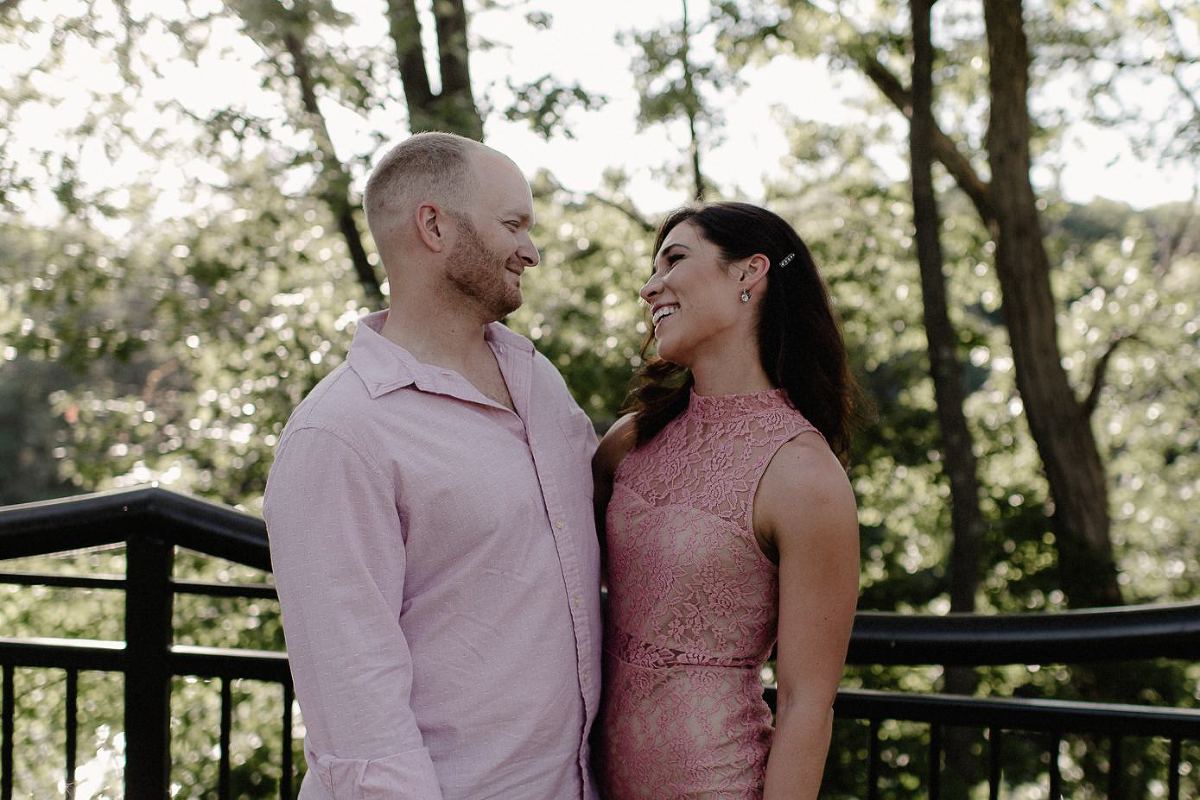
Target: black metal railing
x=151, y=522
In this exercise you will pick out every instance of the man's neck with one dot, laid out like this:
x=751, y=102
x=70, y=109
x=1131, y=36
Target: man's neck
x=434, y=333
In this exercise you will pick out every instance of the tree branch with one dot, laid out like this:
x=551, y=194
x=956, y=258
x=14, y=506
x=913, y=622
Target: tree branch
x=692, y=102
x=625, y=209
x=451, y=17
x=334, y=180
x=631, y=213
x=1178, y=238
x=1186, y=92
x=456, y=103
x=944, y=148
x=405, y=29
x=1183, y=88
x=1098, y=374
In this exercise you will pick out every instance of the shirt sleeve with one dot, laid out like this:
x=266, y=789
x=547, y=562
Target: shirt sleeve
x=337, y=553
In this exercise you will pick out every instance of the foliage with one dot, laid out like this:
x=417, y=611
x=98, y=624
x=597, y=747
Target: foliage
x=139, y=344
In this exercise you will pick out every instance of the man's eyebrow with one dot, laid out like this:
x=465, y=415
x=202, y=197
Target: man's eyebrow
x=520, y=216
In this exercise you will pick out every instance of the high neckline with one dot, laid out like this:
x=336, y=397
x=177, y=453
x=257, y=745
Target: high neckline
x=716, y=406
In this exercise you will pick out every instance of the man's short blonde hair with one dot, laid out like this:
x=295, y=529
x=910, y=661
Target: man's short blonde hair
x=432, y=166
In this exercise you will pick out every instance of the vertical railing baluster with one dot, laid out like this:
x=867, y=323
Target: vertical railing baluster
x=1055, y=771
x=1115, y=767
x=148, y=601
x=1173, y=775
x=72, y=728
x=224, y=790
x=872, y=759
x=6, y=754
x=995, y=773
x=285, y=778
x=935, y=761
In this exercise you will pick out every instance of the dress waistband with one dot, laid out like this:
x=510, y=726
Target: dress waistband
x=631, y=650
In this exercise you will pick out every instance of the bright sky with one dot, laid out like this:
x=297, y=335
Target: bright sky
x=580, y=46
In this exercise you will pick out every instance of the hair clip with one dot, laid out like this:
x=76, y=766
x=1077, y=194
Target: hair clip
x=783, y=262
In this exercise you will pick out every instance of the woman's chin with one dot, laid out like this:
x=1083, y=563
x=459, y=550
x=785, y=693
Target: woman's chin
x=673, y=354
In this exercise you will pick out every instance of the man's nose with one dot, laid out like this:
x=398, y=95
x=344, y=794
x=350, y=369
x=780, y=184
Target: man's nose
x=528, y=253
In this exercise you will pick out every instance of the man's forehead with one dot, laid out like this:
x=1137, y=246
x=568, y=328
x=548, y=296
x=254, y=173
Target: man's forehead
x=496, y=174
x=485, y=159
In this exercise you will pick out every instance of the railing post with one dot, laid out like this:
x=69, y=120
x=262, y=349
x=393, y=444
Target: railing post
x=148, y=606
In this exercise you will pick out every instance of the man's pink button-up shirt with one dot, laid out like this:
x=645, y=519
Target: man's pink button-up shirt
x=438, y=570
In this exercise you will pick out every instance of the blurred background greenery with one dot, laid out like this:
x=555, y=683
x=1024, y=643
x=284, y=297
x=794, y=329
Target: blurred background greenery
x=183, y=256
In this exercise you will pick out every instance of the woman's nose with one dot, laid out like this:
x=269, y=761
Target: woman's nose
x=650, y=289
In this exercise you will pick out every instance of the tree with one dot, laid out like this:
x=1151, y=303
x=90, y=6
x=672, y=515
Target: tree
x=284, y=31
x=1058, y=419
x=671, y=81
x=966, y=518
x=452, y=109
x=1060, y=423
x=172, y=347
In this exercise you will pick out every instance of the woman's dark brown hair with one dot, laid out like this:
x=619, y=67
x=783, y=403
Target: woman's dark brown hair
x=799, y=341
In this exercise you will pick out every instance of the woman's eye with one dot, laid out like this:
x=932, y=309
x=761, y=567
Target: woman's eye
x=671, y=259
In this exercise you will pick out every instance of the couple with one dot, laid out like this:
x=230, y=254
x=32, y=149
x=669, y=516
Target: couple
x=430, y=513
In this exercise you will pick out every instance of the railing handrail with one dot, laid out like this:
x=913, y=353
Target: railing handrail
x=1163, y=630
x=1021, y=713
x=91, y=520
x=1169, y=630
x=1010, y=713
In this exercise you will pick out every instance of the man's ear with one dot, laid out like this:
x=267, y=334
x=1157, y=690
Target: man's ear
x=754, y=271
x=431, y=226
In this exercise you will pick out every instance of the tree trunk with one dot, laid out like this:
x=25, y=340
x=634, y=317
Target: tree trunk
x=334, y=181
x=693, y=109
x=1059, y=422
x=453, y=109
x=943, y=147
x=961, y=468
x=966, y=518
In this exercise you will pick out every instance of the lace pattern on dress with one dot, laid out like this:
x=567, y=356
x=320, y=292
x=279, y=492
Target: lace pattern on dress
x=693, y=604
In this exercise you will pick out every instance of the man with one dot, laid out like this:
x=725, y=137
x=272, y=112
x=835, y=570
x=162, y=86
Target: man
x=429, y=513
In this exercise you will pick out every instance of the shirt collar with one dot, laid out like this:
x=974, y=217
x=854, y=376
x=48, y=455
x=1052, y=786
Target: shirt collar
x=385, y=366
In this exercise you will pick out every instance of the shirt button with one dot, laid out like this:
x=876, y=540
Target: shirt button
x=558, y=523
x=576, y=599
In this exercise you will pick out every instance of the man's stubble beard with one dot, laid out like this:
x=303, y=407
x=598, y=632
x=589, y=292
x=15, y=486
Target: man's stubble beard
x=479, y=274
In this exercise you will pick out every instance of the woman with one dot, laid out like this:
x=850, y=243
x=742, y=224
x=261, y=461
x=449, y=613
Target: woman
x=729, y=520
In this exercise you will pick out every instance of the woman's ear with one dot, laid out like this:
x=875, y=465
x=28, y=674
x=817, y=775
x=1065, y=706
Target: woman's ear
x=754, y=270
x=429, y=227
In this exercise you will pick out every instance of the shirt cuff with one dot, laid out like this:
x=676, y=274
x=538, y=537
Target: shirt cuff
x=403, y=776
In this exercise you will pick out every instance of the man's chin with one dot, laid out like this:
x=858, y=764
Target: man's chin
x=507, y=306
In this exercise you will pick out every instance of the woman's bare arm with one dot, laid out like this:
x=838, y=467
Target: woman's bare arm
x=805, y=510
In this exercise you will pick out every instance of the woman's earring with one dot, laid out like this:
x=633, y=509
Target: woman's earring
x=745, y=295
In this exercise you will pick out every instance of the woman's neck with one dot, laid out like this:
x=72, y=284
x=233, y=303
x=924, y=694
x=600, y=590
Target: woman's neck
x=729, y=373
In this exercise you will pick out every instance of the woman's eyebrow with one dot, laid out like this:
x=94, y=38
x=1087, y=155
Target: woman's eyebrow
x=665, y=248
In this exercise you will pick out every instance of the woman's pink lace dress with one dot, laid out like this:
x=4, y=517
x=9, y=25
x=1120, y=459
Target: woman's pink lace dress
x=692, y=605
